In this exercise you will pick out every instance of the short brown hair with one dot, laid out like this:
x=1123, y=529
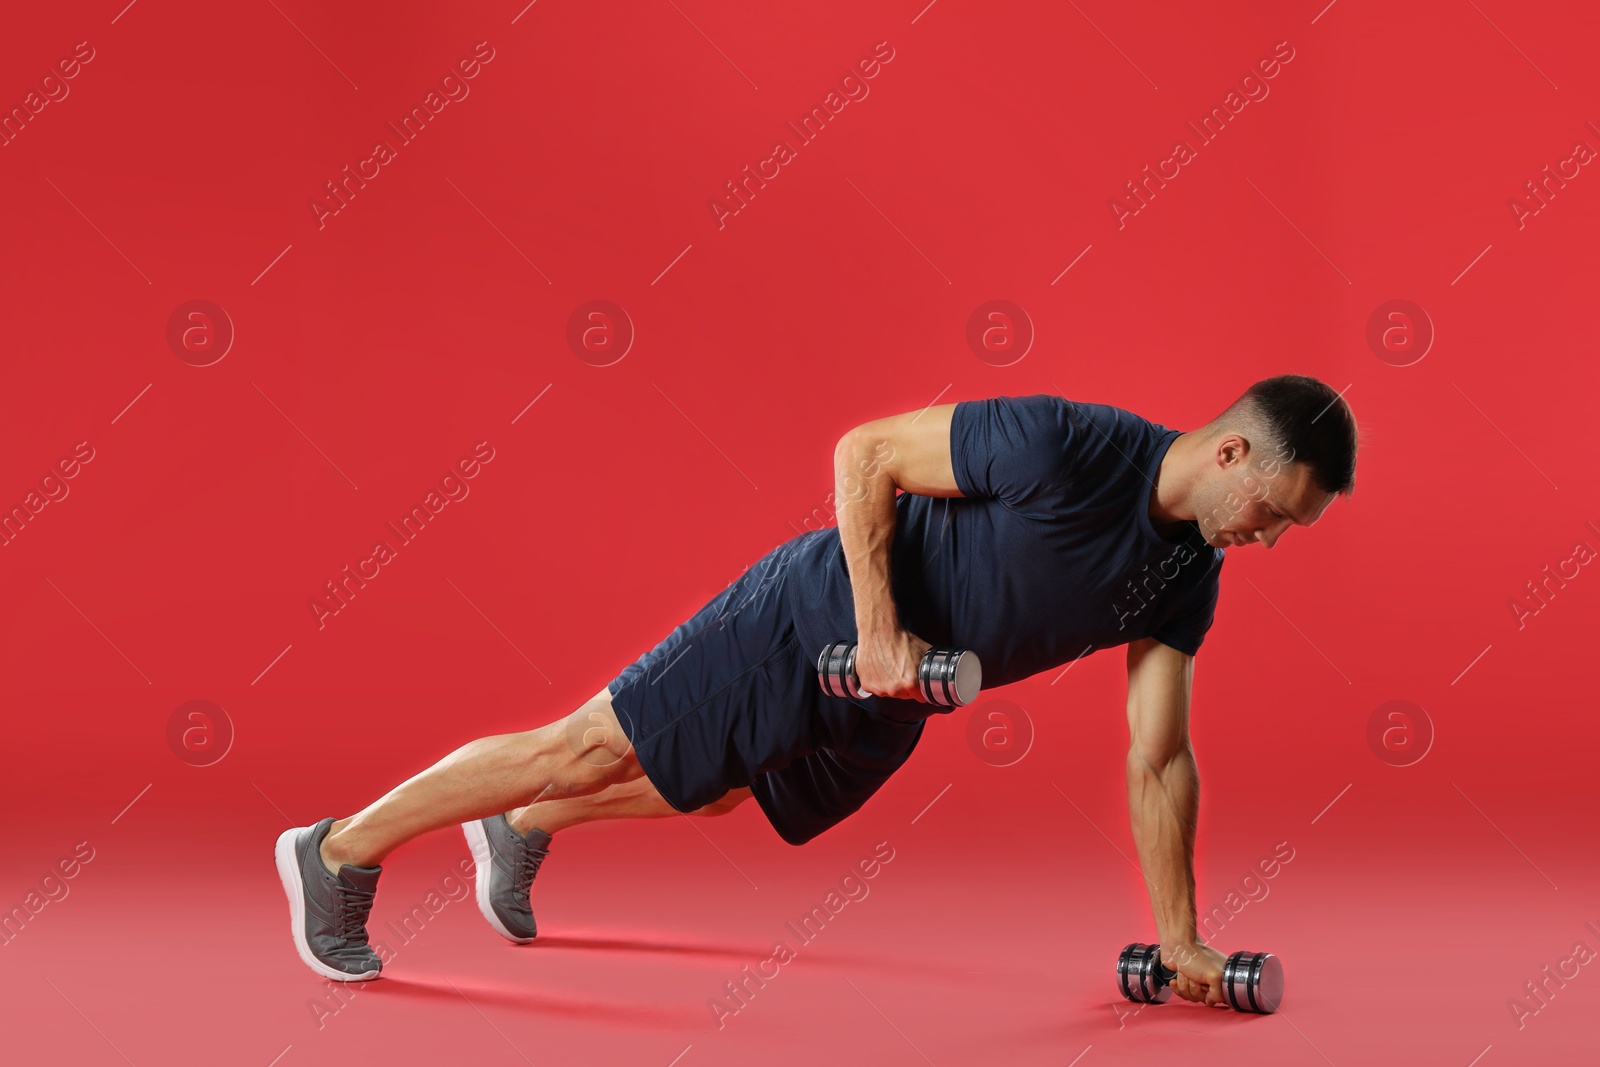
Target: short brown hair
x=1310, y=422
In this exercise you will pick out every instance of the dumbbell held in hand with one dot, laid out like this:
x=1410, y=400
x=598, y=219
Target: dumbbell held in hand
x=950, y=677
x=1251, y=981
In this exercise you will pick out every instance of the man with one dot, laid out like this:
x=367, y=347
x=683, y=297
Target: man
x=1032, y=530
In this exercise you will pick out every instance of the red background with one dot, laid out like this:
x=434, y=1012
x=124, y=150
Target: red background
x=426, y=315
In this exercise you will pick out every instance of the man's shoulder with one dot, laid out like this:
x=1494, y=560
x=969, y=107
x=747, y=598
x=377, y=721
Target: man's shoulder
x=1078, y=414
x=1112, y=438
x=1017, y=447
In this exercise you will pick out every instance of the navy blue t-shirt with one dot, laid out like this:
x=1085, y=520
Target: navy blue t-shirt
x=1050, y=554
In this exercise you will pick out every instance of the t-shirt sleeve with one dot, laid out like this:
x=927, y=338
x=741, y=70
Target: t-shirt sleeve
x=1013, y=448
x=1185, y=630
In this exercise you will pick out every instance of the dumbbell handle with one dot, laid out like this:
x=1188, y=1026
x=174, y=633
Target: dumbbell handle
x=950, y=677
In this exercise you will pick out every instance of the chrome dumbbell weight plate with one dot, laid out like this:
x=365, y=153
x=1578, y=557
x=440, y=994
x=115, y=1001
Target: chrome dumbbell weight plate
x=1140, y=976
x=1253, y=981
x=950, y=676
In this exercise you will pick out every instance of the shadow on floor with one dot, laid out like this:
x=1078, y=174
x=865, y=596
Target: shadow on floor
x=807, y=955
x=534, y=1000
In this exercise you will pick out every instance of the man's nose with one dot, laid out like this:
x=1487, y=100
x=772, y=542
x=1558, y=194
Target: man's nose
x=1268, y=535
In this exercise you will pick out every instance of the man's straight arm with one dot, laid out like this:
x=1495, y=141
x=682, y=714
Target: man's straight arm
x=1163, y=785
x=1164, y=803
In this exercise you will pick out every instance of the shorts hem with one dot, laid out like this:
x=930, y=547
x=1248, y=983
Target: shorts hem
x=764, y=801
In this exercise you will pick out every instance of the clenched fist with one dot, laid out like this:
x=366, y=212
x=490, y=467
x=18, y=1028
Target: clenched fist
x=887, y=664
x=1199, y=970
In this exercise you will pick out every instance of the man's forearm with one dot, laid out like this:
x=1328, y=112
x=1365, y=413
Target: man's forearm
x=864, y=505
x=1163, y=805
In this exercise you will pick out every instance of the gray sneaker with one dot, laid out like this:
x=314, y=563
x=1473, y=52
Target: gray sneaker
x=328, y=913
x=506, y=863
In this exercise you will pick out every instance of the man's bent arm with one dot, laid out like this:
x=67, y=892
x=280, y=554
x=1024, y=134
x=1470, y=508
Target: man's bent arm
x=910, y=452
x=863, y=497
x=1163, y=787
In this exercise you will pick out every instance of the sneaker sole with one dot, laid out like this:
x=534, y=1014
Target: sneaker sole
x=478, y=842
x=294, y=887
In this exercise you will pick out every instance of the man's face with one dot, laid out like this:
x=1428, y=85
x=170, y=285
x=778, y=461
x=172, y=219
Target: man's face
x=1249, y=495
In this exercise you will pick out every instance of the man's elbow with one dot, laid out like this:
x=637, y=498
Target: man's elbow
x=856, y=443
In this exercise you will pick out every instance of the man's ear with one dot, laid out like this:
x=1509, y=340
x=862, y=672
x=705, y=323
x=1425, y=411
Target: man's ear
x=1230, y=450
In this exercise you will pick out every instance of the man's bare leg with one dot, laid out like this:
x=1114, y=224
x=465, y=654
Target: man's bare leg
x=574, y=756
x=637, y=799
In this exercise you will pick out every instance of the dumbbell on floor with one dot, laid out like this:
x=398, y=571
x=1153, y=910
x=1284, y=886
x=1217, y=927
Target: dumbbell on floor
x=1251, y=981
x=950, y=677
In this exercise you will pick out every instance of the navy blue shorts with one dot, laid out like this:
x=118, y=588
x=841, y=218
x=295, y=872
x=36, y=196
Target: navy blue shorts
x=730, y=699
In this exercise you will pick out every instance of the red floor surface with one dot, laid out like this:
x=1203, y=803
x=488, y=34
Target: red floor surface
x=1406, y=920
x=251, y=370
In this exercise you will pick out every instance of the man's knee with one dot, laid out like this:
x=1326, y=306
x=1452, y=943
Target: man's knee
x=587, y=751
